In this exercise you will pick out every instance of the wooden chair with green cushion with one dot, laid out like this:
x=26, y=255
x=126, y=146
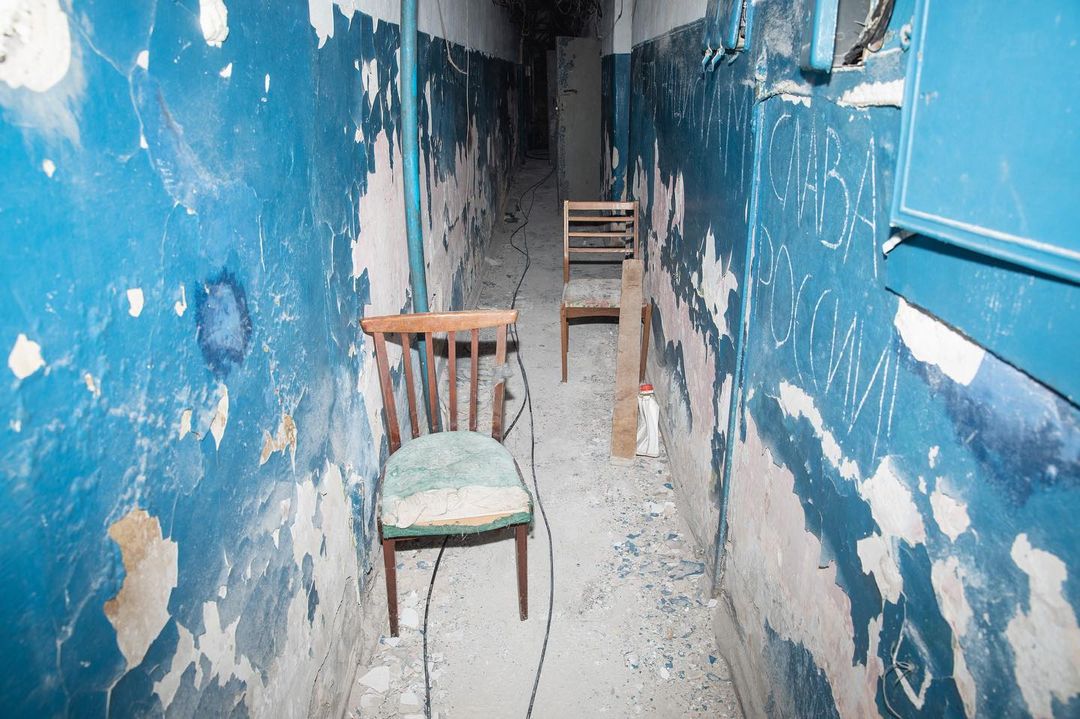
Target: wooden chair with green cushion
x=449, y=482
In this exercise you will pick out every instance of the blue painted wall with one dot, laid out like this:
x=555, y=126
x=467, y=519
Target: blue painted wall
x=615, y=122
x=192, y=234
x=901, y=498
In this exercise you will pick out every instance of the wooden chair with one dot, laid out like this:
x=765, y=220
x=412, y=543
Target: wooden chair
x=598, y=228
x=448, y=482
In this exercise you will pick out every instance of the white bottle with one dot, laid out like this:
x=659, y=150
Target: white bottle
x=648, y=426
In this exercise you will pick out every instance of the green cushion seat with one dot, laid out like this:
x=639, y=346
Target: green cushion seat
x=452, y=483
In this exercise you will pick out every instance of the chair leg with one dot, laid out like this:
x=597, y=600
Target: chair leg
x=646, y=330
x=565, y=339
x=391, y=583
x=521, y=535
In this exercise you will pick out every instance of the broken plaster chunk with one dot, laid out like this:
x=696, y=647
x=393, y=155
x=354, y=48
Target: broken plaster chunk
x=25, y=358
x=377, y=679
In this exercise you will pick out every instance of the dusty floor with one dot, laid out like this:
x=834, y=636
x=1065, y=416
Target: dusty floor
x=631, y=633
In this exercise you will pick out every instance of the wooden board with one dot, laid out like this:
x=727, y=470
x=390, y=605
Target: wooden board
x=627, y=363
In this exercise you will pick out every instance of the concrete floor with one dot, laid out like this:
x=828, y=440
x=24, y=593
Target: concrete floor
x=631, y=633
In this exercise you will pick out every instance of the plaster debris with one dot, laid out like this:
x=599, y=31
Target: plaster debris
x=950, y=514
x=221, y=417
x=143, y=60
x=25, y=358
x=226, y=72
x=139, y=611
x=180, y=306
x=410, y=618
x=934, y=343
x=35, y=44
x=284, y=438
x=135, y=301
x=1045, y=639
x=891, y=504
x=48, y=167
x=874, y=94
x=377, y=679
x=214, y=21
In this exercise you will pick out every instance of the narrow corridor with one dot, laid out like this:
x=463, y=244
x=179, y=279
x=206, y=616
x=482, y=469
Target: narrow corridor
x=631, y=632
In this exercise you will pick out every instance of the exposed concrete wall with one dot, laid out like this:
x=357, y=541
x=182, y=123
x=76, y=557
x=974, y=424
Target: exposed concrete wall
x=899, y=495
x=201, y=199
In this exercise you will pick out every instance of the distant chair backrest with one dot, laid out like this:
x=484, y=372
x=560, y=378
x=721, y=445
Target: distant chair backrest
x=599, y=228
x=431, y=324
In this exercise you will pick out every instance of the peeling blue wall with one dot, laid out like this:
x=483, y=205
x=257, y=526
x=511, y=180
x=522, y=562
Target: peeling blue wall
x=901, y=499
x=186, y=504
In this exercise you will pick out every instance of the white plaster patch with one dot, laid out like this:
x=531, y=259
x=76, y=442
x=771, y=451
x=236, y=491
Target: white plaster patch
x=891, y=504
x=140, y=609
x=226, y=72
x=947, y=578
x=25, y=358
x=797, y=403
x=143, y=60
x=35, y=42
x=266, y=83
x=135, y=301
x=221, y=417
x=718, y=284
x=872, y=94
x=214, y=21
x=92, y=385
x=48, y=167
x=180, y=306
x=284, y=438
x=949, y=513
x=932, y=456
x=142, y=142
x=614, y=157
x=1046, y=639
x=933, y=342
x=876, y=557
x=321, y=17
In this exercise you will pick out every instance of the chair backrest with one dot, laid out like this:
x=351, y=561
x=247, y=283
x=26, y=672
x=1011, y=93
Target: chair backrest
x=430, y=324
x=598, y=228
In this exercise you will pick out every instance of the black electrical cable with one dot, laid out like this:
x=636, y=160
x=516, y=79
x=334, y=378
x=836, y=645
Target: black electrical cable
x=427, y=606
x=527, y=402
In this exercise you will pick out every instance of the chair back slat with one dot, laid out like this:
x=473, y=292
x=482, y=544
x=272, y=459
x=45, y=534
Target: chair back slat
x=433, y=388
x=387, y=393
x=606, y=226
x=429, y=325
x=451, y=368
x=500, y=384
x=474, y=379
x=414, y=423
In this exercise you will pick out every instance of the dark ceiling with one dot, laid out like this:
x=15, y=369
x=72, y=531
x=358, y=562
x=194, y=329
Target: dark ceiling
x=541, y=21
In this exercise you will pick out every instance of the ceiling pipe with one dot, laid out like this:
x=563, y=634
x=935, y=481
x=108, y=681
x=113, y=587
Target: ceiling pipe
x=410, y=150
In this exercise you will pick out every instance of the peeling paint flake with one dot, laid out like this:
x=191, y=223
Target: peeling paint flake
x=25, y=358
x=284, y=438
x=221, y=417
x=35, y=44
x=892, y=506
x=950, y=514
x=135, y=301
x=214, y=21
x=1046, y=638
x=933, y=342
x=139, y=611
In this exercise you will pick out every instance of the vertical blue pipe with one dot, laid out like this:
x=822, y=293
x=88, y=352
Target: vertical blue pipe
x=410, y=150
